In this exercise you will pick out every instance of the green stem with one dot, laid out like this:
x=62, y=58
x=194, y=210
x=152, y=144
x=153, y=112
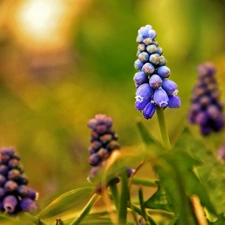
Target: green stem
x=144, y=182
x=133, y=213
x=122, y=215
x=86, y=209
x=115, y=195
x=164, y=213
x=141, y=201
x=162, y=127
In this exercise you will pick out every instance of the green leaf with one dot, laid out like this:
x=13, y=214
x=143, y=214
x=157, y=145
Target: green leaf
x=176, y=178
x=210, y=173
x=219, y=221
x=65, y=202
x=158, y=200
x=152, y=220
x=85, y=210
x=6, y=220
x=147, y=138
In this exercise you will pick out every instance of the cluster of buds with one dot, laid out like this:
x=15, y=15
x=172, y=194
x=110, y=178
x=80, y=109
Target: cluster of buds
x=103, y=143
x=152, y=83
x=206, y=108
x=15, y=195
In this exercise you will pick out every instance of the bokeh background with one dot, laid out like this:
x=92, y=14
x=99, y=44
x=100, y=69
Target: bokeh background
x=63, y=61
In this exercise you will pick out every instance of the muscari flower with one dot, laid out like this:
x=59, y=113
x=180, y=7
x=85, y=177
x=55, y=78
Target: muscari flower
x=103, y=143
x=152, y=83
x=206, y=108
x=14, y=185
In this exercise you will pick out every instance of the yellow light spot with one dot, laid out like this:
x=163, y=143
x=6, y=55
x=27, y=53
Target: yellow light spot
x=40, y=20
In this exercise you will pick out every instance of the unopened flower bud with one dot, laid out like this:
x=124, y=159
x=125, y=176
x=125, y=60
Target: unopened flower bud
x=161, y=98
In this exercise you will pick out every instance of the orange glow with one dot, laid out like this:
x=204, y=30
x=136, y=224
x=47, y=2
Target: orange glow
x=41, y=22
x=39, y=18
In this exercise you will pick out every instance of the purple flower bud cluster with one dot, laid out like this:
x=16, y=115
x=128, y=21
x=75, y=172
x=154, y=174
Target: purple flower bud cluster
x=152, y=83
x=206, y=108
x=15, y=195
x=103, y=143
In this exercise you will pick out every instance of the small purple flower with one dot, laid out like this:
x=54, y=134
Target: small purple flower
x=205, y=130
x=144, y=91
x=202, y=118
x=149, y=110
x=161, y=98
x=140, y=105
x=162, y=61
x=213, y=111
x=139, y=38
x=2, y=179
x=170, y=87
x=140, y=78
x=9, y=204
x=94, y=159
x=155, y=81
x=28, y=205
x=174, y=102
x=10, y=186
x=147, y=41
x=159, y=51
x=151, y=49
x=141, y=47
x=138, y=64
x=2, y=193
x=144, y=31
x=148, y=68
x=152, y=34
x=143, y=57
x=154, y=59
x=163, y=72
x=218, y=124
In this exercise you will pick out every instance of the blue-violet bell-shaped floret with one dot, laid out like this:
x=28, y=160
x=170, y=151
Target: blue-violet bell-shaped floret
x=138, y=64
x=143, y=57
x=170, y=87
x=141, y=105
x=155, y=81
x=140, y=78
x=161, y=98
x=144, y=31
x=152, y=34
x=154, y=59
x=144, y=91
x=148, y=68
x=9, y=204
x=174, y=102
x=149, y=110
x=28, y=205
x=151, y=49
x=163, y=71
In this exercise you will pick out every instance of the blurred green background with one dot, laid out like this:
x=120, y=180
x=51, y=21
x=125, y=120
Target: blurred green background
x=51, y=86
